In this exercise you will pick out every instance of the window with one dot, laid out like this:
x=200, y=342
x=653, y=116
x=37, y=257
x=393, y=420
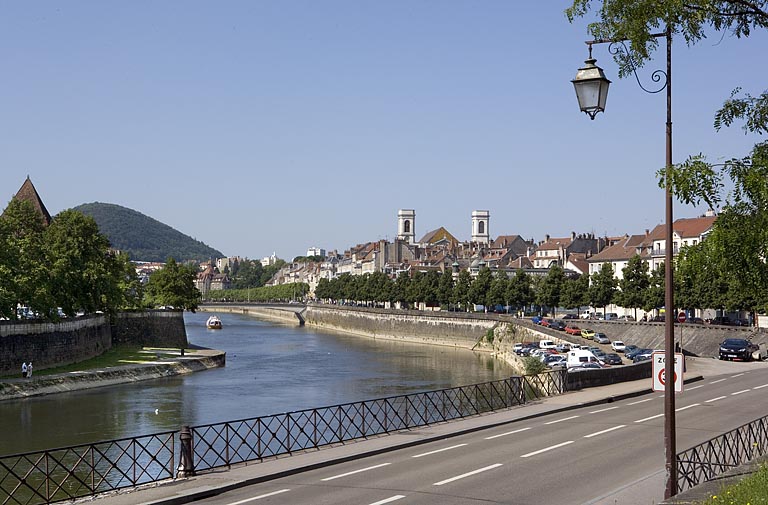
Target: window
x=481, y=227
x=407, y=226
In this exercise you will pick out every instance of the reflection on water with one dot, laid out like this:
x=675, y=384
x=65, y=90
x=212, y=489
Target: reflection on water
x=270, y=369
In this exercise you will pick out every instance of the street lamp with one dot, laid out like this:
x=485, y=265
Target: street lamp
x=589, y=83
x=591, y=87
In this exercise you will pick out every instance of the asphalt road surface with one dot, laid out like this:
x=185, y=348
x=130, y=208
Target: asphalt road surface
x=613, y=453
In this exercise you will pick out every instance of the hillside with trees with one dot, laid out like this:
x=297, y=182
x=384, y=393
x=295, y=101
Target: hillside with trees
x=144, y=238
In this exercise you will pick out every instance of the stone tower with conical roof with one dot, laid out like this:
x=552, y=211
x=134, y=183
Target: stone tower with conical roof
x=28, y=193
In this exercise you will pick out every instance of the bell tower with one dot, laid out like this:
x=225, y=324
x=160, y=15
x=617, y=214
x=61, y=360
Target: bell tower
x=406, y=225
x=480, y=221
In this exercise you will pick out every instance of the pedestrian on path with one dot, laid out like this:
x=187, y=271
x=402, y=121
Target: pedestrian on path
x=29, y=370
x=24, y=370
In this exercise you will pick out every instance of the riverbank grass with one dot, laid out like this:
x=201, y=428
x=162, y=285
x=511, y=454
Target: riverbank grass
x=116, y=356
x=752, y=490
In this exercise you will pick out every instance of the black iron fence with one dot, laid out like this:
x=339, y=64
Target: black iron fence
x=71, y=472
x=707, y=460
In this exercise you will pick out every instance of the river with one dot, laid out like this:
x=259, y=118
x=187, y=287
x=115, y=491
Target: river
x=271, y=368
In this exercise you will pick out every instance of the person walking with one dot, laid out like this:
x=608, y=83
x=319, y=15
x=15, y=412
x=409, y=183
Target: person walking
x=29, y=370
x=24, y=370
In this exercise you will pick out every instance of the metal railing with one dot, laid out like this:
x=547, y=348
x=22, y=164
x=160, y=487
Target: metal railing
x=709, y=459
x=72, y=472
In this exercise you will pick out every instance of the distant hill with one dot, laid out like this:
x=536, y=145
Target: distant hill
x=144, y=238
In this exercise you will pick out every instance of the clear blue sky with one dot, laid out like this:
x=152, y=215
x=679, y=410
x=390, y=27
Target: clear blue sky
x=261, y=126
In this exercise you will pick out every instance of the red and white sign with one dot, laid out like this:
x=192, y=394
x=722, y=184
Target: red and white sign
x=660, y=371
x=681, y=317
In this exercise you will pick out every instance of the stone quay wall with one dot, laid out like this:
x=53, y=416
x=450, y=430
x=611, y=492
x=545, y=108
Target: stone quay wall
x=50, y=345
x=158, y=328
x=440, y=328
x=286, y=314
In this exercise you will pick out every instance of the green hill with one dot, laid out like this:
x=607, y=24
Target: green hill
x=144, y=238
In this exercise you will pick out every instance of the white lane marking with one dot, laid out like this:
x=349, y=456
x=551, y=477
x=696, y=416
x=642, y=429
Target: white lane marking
x=719, y=380
x=643, y=401
x=474, y=472
x=738, y=374
x=761, y=387
x=546, y=449
x=603, y=410
x=561, y=420
x=715, y=399
x=695, y=387
x=439, y=450
x=259, y=497
x=648, y=418
x=507, y=433
x=389, y=500
x=739, y=392
x=687, y=407
x=660, y=396
x=355, y=471
x=605, y=431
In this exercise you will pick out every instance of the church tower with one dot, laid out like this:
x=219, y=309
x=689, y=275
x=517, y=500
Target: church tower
x=406, y=225
x=480, y=222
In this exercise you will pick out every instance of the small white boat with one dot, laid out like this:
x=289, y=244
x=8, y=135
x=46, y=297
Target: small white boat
x=213, y=323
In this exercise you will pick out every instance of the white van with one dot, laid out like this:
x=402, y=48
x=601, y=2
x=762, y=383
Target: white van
x=577, y=357
x=547, y=344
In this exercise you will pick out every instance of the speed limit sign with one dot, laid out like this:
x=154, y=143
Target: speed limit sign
x=662, y=373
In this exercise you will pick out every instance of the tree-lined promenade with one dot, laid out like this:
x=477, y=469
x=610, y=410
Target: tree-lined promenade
x=67, y=267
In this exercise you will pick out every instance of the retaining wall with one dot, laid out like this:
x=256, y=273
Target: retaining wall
x=49, y=345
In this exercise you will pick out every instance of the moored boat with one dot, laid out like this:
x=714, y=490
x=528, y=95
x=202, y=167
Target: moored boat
x=213, y=323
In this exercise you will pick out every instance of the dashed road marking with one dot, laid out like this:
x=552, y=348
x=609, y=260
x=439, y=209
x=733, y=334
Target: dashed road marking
x=643, y=401
x=354, y=472
x=561, y=420
x=687, y=407
x=389, y=500
x=507, y=433
x=738, y=375
x=534, y=453
x=474, y=472
x=439, y=450
x=605, y=431
x=648, y=418
x=715, y=399
x=719, y=380
x=259, y=497
x=761, y=387
x=739, y=392
x=603, y=410
x=695, y=387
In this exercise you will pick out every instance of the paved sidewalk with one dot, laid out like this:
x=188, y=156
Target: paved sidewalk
x=213, y=483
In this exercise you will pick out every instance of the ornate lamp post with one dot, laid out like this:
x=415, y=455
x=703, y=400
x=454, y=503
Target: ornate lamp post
x=592, y=90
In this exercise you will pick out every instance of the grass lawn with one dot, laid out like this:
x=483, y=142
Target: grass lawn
x=116, y=356
x=750, y=491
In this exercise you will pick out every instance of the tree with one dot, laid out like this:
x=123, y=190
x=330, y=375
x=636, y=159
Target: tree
x=519, y=293
x=634, y=284
x=248, y=274
x=461, y=289
x=741, y=227
x=603, y=287
x=497, y=294
x=654, y=296
x=445, y=288
x=173, y=285
x=550, y=288
x=400, y=292
x=478, y=291
x=574, y=292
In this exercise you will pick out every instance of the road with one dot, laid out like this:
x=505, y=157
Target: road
x=612, y=453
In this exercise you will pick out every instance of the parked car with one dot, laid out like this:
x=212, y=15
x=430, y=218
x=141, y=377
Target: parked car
x=563, y=347
x=644, y=355
x=618, y=346
x=634, y=352
x=612, y=359
x=554, y=360
x=558, y=325
x=626, y=318
x=570, y=316
x=547, y=344
x=611, y=316
x=546, y=322
x=741, y=322
x=628, y=348
x=584, y=366
x=536, y=319
x=588, y=334
x=657, y=319
x=572, y=329
x=738, y=348
x=601, y=338
x=721, y=320
x=696, y=320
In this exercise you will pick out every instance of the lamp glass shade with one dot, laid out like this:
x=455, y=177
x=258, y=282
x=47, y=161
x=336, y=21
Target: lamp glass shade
x=591, y=87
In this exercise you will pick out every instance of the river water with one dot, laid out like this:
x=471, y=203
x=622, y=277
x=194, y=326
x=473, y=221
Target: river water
x=271, y=368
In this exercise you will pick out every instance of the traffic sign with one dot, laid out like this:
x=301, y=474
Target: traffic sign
x=660, y=371
x=681, y=317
